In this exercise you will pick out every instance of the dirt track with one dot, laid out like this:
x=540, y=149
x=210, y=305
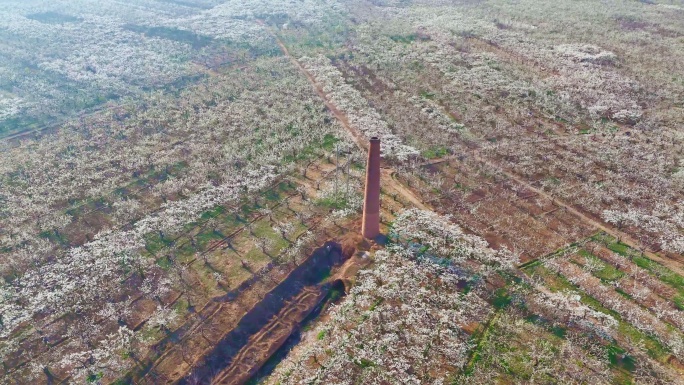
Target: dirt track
x=356, y=135
x=624, y=238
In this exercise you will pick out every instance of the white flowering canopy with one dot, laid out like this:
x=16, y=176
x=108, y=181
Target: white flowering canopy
x=436, y=235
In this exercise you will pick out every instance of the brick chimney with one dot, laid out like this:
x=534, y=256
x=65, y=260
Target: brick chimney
x=371, y=203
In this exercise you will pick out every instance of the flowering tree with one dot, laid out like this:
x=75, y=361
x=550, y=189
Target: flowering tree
x=401, y=314
x=360, y=115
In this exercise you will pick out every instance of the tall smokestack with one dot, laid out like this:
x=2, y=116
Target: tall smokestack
x=371, y=203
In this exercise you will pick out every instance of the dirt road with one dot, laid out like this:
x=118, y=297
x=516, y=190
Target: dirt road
x=361, y=141
x=624, y=238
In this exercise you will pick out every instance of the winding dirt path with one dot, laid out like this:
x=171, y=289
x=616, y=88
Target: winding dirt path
x=356, y=135
x=361, y=141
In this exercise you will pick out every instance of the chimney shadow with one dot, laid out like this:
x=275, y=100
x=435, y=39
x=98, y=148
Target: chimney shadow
x=381, y=239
